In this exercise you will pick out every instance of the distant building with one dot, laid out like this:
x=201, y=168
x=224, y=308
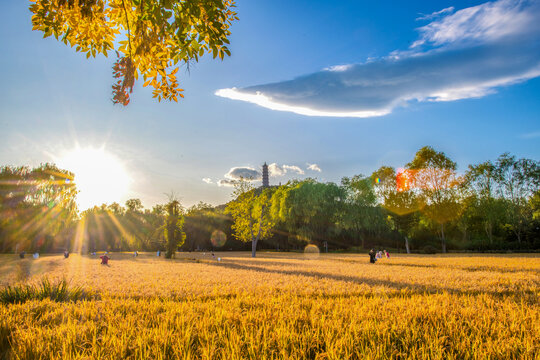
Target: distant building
x=265, y=180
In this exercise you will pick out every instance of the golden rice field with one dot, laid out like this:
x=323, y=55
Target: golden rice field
x=278, y=306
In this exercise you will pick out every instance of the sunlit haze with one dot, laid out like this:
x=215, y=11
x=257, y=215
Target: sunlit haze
x=100, y=177
x=460, y=76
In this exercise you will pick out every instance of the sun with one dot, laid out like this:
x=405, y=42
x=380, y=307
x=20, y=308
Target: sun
x=100, y=177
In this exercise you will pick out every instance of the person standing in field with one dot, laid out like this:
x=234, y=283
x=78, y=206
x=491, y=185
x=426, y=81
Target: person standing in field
x=387, y=254
x=66, y=254
x=372, y=256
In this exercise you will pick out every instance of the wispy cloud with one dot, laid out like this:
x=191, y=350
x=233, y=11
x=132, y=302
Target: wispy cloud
x=489, y=22
x=226, y=182
x=460, y=55
x=207, y=180
x=435, y=14
x=280, y=170
x=294, y=168
x=314, y=167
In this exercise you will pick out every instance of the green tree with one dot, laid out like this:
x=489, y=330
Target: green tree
x=310, y=211
x=134, y=205
x=250, y=213
x=434, y=177
x=518, y=180
x=401, y=205
x=202, y=220
x=481, y=181
x=36, y=206
x=155, y=218
x=361, y=213
x=174, y=224
x=535, y=205
x=150, y=37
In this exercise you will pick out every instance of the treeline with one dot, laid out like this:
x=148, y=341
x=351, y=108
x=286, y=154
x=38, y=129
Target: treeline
x=38, y=212
x=425, y=207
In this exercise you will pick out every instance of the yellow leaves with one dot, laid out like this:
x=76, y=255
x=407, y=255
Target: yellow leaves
x=161, y=33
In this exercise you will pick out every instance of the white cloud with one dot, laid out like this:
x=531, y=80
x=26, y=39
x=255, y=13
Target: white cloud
x=338, y=68
x=226, y=182
x=466, y=54
x=276, y=170
x=486, y=22
x=207, y=180
x=435, y=14
x=236, y=174
x=267, y=102
x=246, y=173
x=293, y=168
x=314, y=167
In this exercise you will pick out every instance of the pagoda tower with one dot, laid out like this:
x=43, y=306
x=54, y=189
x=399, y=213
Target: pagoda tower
x=265, y=181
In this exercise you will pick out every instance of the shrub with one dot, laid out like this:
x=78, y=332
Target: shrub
x=428, y=249
x=59, y=291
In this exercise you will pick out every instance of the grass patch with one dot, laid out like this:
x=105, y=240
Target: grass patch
x=59, y=291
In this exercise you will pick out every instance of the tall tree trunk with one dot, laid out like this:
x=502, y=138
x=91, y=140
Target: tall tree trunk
x=254, y=246
x=489, y=231
x=407, y=245
x=443, y=240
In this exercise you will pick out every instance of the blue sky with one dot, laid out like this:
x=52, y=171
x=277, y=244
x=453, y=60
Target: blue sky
x=486, y=69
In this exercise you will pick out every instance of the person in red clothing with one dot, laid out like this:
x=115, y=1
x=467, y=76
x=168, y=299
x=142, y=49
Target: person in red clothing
x=104, y=259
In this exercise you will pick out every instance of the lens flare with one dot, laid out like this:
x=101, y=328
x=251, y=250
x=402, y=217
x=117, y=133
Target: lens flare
x=218, y=238
x=311, y=251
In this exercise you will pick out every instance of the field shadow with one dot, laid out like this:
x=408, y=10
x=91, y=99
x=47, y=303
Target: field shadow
x=463, y=268
x=395, y=285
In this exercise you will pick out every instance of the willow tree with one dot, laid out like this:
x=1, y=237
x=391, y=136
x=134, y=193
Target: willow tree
x=149, y=37
x=361, y=213
x=250, y=213
x=311, y=212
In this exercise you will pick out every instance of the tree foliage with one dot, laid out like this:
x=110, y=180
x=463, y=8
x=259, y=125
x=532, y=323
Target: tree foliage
x=309, y=211
x=402, y=204
x=174, y=224
x=435, y=179
x=494, y=206
x=250, y=213
x=360, y=212
x=36, y=205
x=150, y=37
